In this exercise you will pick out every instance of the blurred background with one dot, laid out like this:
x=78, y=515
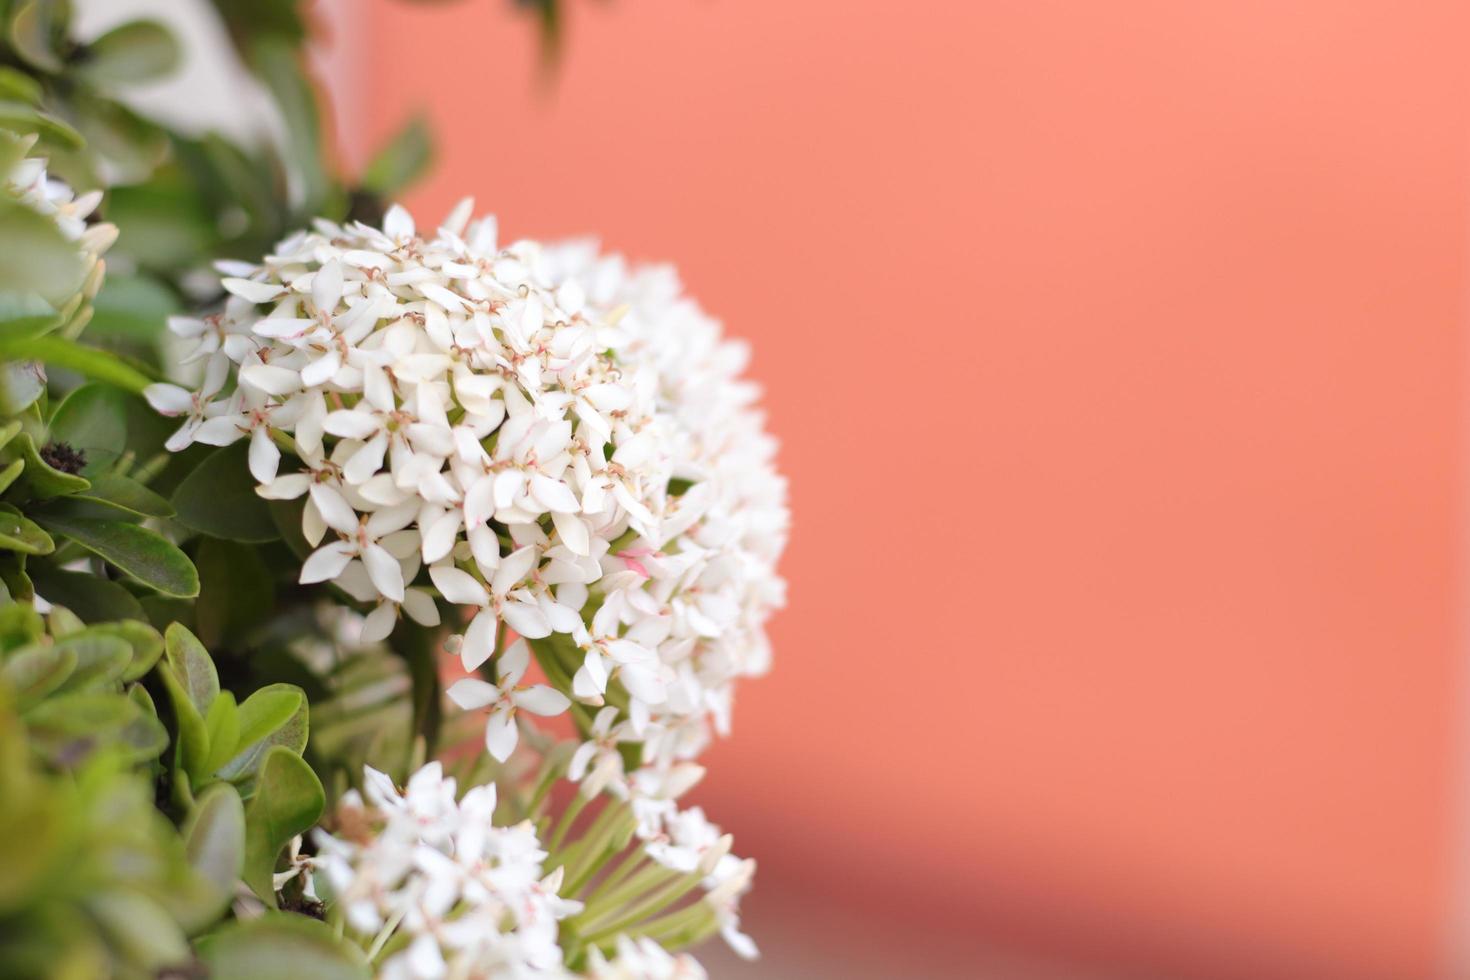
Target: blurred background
x=1118, y=355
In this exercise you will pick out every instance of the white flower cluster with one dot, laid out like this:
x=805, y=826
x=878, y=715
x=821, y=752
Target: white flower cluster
x=469, y=896
x=564, y=446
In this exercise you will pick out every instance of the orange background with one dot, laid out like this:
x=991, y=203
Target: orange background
x=1117, y=353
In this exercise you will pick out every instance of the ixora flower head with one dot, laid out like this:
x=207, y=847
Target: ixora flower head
x=559, y=445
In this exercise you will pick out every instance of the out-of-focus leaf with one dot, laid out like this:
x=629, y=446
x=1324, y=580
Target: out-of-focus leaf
x=279, y=65
x=19, y=86
x=137, y=927
x=404, y=160
x=288, y=800
x=25, y=315
x=21, y=118
x=138, y=51
x=100, y=659
x=130, y=144
x=164, y=225
x=34, y=255
x=145, y=641
x=134, y=308
x=143, y=554
x=280, y=946
x=218, y=499
x=35, y=26
x=35, y=671
x=214, y=843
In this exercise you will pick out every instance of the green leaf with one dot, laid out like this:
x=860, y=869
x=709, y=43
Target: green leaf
x=45, y=480
x=275, y=715
x=89, y=362
x=92, y=597
x=214, y=843
x=404, y=160
x=34, y=672
x=126, y=494
x=143, y=554
x=222, y=722
x=280, y=946
x=137, y=51
x=288, y=800
x=191, y=740
x=219, y=499
x=192, y=666
x=19, y=534
x=100, y=659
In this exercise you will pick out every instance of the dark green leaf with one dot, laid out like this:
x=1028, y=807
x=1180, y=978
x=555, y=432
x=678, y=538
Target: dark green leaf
x=143, y=554
x=288, y=800
x=91, y=418
x=236, y=594
x=219, y=499
x=125, y=494
x=93, y=598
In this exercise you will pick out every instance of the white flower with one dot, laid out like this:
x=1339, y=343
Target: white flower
x=643, y=959
x=503, y=700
